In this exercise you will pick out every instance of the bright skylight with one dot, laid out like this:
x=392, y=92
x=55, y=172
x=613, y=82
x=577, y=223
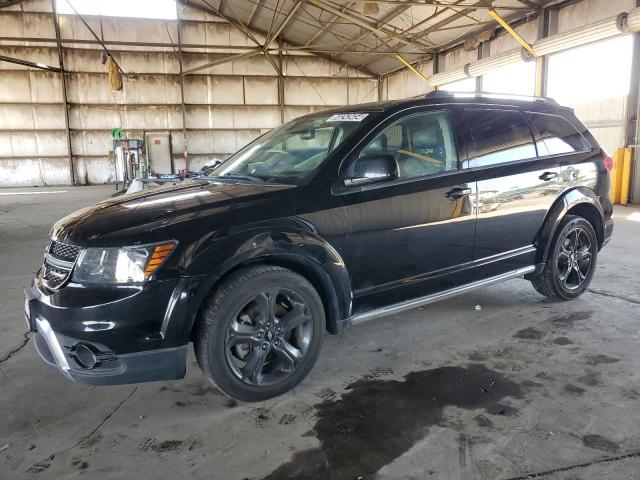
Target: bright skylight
x=162, y=9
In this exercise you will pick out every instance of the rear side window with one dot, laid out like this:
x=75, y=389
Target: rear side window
x=499, y=136
x=555, y=135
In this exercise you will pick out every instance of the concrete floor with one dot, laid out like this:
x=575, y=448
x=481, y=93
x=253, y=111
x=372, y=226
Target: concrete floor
x=521, y=387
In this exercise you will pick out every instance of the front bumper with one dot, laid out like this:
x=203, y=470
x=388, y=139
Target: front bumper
x=136, y=336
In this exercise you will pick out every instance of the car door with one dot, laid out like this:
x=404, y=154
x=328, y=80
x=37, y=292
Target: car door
x=515, y=189
x=413, y=235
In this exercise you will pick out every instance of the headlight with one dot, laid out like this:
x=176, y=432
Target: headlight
x=120, y=265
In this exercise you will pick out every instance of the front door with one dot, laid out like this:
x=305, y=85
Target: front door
x=515, y=189
x=414, y=235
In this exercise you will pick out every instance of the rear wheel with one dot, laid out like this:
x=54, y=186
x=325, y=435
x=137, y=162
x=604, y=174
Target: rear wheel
x=261, y=333
x=571, y=261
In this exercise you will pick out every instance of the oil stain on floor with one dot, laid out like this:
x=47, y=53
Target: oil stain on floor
x=378, y=420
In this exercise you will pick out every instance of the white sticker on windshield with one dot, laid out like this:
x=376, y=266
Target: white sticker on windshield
x=347, y=117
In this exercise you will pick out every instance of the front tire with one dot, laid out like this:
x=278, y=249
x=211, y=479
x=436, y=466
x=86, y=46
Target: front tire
x=261, y=333
x=571, y=261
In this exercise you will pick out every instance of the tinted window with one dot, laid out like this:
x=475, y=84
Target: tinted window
x=499, y=136
x=422, y=144
x=555, y=135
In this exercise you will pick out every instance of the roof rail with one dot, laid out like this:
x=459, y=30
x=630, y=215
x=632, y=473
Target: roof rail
x=504, y=96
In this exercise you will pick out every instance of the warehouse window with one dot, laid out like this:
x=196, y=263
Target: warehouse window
x=515, y=79
x=592, y=72
x=464, y=85
x=160, y=9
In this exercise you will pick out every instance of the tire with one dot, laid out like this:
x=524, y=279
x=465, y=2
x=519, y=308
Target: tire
x=570, y=266
x=261, y=333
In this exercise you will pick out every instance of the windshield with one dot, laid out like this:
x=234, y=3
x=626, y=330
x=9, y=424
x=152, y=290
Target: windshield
x=292, y=152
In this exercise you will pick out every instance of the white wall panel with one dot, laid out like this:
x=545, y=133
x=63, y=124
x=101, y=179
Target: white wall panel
x=233, y=117
x=26, y=172
x=30, y=86
x=261, y=90
x=91, y=143
x=213, y=90
x=315, y=91
x=14, y=117
x=36, y=25
x=35, y=144
x=362, y=91
x=91, y=170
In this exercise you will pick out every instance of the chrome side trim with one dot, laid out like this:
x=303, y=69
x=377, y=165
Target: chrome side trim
x=418, y=302
x=44, y=328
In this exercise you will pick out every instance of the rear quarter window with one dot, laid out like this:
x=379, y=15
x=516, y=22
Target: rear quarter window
x=555, y=135
x=498, y=136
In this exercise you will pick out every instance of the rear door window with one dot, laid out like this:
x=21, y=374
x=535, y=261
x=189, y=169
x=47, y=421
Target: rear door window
x=555, y=135
x=498, y=136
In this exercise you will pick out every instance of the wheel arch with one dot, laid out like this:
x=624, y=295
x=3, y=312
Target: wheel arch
x=579, y=201
x=301, y=252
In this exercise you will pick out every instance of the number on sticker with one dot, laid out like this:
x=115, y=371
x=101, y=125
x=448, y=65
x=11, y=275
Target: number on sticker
x=347, y=117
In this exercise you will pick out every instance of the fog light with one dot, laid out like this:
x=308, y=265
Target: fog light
x=84, y=356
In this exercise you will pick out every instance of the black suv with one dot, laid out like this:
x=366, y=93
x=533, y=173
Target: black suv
x=329, y=220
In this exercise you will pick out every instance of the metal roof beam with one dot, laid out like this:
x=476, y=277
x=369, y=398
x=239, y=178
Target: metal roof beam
x=377, y=31
x=27, y=63
x=284, y=23
x=211, y=10
x=437, y=3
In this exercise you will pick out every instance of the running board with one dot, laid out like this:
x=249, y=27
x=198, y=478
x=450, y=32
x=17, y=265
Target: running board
x=435, y=297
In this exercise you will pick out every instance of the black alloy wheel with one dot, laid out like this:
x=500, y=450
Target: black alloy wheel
x=269, y=337
x=571, y=260
x=260, y=333
x=574, y=258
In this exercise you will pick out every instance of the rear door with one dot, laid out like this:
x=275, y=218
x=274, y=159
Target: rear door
x=412, y=236
x=515, y=189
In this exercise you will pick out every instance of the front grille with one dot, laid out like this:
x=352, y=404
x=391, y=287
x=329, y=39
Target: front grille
x=59, y=259
x=53, y=275
x=64, y=251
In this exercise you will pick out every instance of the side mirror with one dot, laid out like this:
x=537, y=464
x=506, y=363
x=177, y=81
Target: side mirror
x=373, y=169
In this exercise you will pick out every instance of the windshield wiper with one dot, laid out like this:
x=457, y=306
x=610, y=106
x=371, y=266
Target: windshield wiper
x=241, y=176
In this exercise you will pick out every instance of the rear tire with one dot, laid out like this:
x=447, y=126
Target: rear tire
x=571, y=260
x=261, y=333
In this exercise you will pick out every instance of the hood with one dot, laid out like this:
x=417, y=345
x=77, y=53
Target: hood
x=153, y=215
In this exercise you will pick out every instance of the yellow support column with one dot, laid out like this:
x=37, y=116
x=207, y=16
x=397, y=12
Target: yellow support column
x=626, y=176
x=616, y=176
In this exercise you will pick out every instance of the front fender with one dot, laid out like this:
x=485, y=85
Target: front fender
x=292, y=247
x=568, y=200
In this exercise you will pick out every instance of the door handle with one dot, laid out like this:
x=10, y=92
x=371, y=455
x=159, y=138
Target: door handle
x=456, y=193
x=546, y=176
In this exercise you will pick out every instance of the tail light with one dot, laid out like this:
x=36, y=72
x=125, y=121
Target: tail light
x=608, y=162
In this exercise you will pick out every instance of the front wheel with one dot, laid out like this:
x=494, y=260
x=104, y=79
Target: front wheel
x=261, y=333
x=571, y=261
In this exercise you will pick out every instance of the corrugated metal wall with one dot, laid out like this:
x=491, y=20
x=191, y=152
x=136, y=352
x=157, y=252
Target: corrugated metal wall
x=226, y=106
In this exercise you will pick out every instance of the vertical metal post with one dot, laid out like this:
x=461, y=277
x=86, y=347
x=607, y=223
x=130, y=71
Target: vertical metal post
x=547, y=25
x=632, y=120
x=484, y=51
x=185, y=150
x=380, y=88
x=280, y=80
x=435, y=64
x=63, y=78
